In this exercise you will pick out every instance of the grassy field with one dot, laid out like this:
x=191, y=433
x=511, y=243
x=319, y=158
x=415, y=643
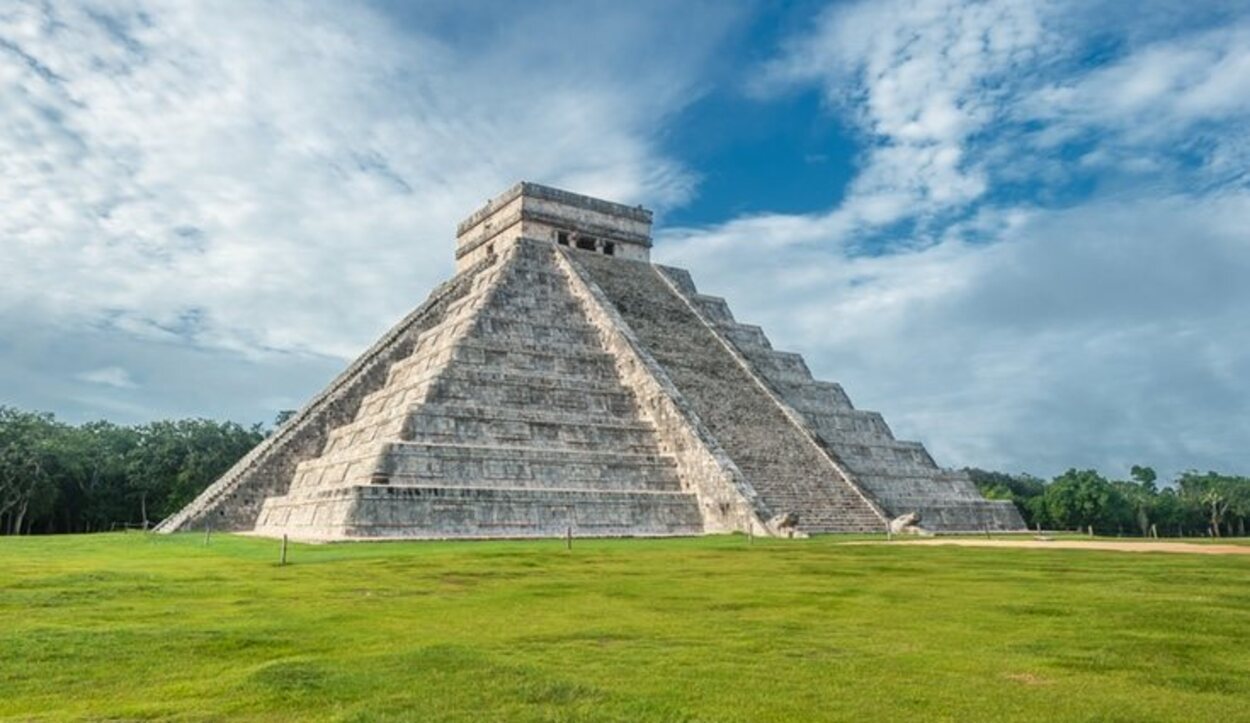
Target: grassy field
x=141, y=627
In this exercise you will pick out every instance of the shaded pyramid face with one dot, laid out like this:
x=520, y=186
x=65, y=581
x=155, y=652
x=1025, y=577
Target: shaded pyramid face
x=561, y=382
x=799, y=440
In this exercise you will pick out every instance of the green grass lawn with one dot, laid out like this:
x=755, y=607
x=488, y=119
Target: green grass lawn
x=712, y=629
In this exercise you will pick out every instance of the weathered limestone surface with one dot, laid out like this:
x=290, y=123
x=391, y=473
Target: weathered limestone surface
x=233, y=502
x=899, y=476
x=528, y=210
x=508, y=419
x=787, y=471
x=562, y=382
x=727, y=500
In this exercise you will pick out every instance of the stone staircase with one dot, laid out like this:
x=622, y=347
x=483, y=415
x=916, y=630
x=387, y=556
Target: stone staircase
x=507, y=420
x=783, y=465
x=899, y=475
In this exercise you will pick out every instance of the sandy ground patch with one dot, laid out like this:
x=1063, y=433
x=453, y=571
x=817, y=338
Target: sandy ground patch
x=1189, y=547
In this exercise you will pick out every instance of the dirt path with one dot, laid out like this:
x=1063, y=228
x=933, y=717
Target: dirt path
x=1189, y=547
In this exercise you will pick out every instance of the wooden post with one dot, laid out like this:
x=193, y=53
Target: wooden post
x=568, y=537
x=282, y=560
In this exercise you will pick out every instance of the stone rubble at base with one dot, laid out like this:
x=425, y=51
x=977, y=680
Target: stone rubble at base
x=561, y=382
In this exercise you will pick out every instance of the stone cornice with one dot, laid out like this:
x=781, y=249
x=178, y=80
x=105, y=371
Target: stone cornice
x=547, y=193
x=512, y=219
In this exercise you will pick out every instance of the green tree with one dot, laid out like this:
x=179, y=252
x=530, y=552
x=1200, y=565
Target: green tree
x=28, y=447
x=173, y=461
x=1144, y=476
x=1139, y=500
x=1240, y=505
x=1081, y=499
x=282, y=417
x=1024, y=490
x=56, y=477
x=1214, y=493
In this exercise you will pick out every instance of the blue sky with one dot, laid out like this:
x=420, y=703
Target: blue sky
x=1017, y=228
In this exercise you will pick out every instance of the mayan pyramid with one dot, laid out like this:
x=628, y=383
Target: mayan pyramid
x=560, y=381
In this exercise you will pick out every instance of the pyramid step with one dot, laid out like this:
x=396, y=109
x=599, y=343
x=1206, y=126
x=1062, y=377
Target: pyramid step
x=838, y=440
x=397, y=398
x=747, y=337
x=418, y=490
x=499, y=386
x=814, y=395
x=849, y=421
x=549, y=416
x=426, y=358
x=376, y=428
x=587, y=363
x=886, y=468
x=340, y=467
x=525, y=345
x=535, y=414
x=528, y=427
x=542, y=304
x=533, y=395
x=363, y=464
x=485, y=376
x=409, y=463
x=714, y=307
x=573, y=333
x=780, y=366
x=892, y=456
x=438, y=512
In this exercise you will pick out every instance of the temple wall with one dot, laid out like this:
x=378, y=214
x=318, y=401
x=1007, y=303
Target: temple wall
x=541, y=213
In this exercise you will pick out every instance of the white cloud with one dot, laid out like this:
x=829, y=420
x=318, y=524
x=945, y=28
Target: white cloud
x=287, y=175
x=1177, y=108
x=235, y=195
x=1004, y=329
x=109, y=376
x=1105, y=335
x=1203, y=77
x=919, y=78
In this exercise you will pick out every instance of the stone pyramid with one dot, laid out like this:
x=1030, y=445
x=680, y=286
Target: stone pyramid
x=560, y=381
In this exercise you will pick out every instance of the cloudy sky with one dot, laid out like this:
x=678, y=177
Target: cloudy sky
x=1018, y=228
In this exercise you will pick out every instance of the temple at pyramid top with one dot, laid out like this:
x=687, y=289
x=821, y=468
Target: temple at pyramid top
x=533, y=211
x=561, y=383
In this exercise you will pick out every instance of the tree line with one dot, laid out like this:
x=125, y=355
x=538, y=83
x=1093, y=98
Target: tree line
x=57, y=477
x=1195, y=504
